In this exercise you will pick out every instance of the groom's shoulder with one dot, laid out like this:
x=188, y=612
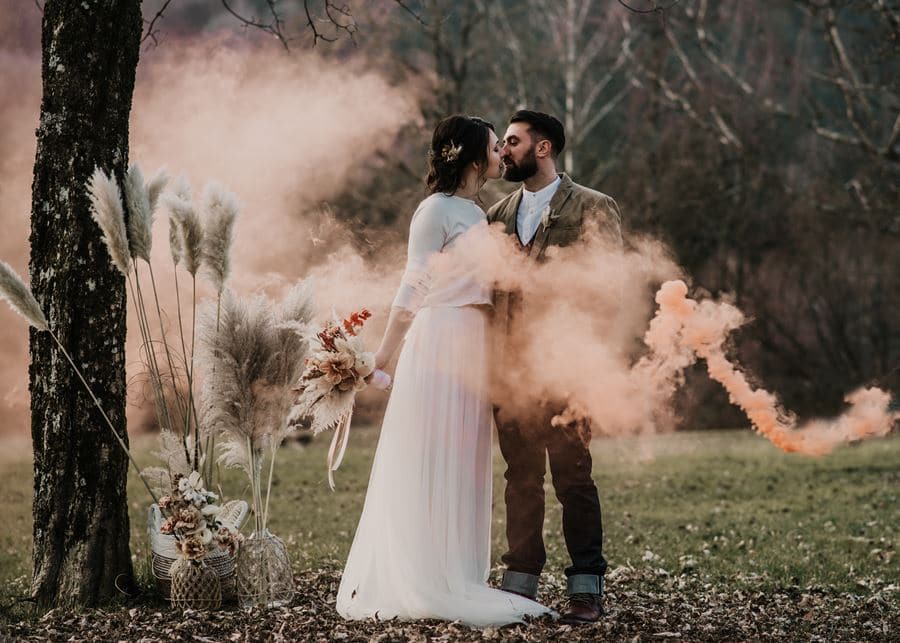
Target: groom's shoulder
x=497, y=210
x=594, y=199
x=600, y=208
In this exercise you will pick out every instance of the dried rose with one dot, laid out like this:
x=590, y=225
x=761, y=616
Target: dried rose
x=191, y=548
x=168, y=525
x=228, y=539
x=188, y=520
x=338, y=369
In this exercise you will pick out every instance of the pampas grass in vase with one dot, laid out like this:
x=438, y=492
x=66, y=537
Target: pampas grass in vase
x=252, y=356
x=127, y=244
x=198, y=245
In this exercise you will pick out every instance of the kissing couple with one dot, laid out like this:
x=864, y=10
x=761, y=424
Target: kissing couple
x=422, y=547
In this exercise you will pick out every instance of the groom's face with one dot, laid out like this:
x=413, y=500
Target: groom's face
x=519, y=159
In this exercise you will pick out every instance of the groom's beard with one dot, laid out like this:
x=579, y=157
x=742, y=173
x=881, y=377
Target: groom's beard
x=525, y=170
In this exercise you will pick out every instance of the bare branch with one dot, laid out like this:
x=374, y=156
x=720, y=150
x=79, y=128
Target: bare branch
x=275, y=27
x=340, y=18
x=416, y=16
x=722, y=132
x=602, y=113
x=725, y=68
x=890, y=150
x=151, y=32
x=837, y=44
x=726, y=134
x=655, y=9
x=595, y=91
x=512, y=42
x=890, y=17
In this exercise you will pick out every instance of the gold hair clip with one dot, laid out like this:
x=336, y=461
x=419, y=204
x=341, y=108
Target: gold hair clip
x=450, y=152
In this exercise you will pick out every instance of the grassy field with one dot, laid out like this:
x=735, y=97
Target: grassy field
x=724, y=508
x=725, y=505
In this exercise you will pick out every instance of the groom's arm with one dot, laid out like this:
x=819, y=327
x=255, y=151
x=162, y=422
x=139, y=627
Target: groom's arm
x=604, y=213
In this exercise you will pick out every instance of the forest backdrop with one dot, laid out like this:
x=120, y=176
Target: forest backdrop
x=759, y=141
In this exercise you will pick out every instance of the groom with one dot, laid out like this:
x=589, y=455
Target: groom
x=549, y=209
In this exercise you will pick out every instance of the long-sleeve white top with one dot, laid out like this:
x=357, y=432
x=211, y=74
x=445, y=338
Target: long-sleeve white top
x=437, y=223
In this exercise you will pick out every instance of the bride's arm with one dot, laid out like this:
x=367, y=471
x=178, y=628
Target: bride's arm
x=427, y=234
x=398, y=323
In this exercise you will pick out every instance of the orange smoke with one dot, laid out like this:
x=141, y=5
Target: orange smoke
x=579, y=345
x=700, y=328
x=282, y=131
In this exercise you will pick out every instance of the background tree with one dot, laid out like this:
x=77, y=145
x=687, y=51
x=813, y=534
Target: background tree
x=81, y=530
x=90, y=51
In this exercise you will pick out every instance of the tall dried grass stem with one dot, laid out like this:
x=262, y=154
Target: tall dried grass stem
x=103, y=413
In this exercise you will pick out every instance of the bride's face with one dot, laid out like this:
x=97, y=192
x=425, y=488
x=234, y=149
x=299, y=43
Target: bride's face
x=493, y=157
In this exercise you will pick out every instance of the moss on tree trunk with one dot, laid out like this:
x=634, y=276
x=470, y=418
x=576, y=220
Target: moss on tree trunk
x=81, y=553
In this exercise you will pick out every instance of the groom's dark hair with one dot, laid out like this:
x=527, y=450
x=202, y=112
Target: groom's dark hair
x=543, y=127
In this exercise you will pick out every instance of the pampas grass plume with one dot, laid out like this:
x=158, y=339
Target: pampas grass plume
x=189, y=230
x=140, y=214
x=220, y=211
x=236, y=356
x=175, y=241
x=19, y=297
x=155, y=187
x=106, y=209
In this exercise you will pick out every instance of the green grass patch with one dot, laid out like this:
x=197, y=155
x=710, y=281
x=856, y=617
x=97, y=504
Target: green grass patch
x=726, y=506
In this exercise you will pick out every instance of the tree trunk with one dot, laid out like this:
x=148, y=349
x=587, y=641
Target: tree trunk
x=81, y=530
x=570, y=36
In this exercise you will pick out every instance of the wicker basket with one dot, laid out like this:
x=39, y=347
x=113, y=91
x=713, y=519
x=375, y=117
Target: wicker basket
x=164, y=553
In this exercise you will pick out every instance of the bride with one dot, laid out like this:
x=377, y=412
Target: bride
x=422, y=547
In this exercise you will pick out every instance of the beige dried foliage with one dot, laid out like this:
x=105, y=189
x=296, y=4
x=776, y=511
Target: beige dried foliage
x=188, y=234
x=20, y=298
x=155, y=187
x=252, y=358
x=220, y=210
x=140, y=214
x=107, y=211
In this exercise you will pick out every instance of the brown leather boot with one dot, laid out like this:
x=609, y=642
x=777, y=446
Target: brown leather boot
x=583, y=608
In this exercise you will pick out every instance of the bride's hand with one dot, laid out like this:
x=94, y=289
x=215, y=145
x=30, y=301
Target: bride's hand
x=381, y=360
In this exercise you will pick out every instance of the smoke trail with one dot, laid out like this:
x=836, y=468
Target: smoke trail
x=686, y=329
x=577, y=344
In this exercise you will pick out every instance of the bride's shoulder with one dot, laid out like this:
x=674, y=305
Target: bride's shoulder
x=437, y=204
x=433, y=210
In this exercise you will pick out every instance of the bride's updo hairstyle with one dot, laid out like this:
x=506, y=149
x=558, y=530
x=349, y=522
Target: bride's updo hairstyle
x=457, y=141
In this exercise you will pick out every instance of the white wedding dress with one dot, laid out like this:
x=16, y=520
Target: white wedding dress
x=422, y=547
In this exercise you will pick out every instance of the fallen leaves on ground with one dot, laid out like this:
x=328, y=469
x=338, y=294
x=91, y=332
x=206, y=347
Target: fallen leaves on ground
x=642, y=604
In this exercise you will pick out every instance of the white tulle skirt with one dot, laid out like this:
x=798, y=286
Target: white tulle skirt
x=422, y=547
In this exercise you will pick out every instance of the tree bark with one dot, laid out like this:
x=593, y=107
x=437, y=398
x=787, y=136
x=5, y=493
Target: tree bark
x=81, y=553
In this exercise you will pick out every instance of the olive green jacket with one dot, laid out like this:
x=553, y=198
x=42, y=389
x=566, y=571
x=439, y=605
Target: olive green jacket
x=570, y=208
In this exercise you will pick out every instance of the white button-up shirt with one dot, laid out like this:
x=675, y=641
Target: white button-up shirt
x=531, y=209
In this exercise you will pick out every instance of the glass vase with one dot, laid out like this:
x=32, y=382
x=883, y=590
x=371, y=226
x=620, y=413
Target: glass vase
x=264, y=577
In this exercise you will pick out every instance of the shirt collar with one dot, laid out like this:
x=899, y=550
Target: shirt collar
x=545, y=191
